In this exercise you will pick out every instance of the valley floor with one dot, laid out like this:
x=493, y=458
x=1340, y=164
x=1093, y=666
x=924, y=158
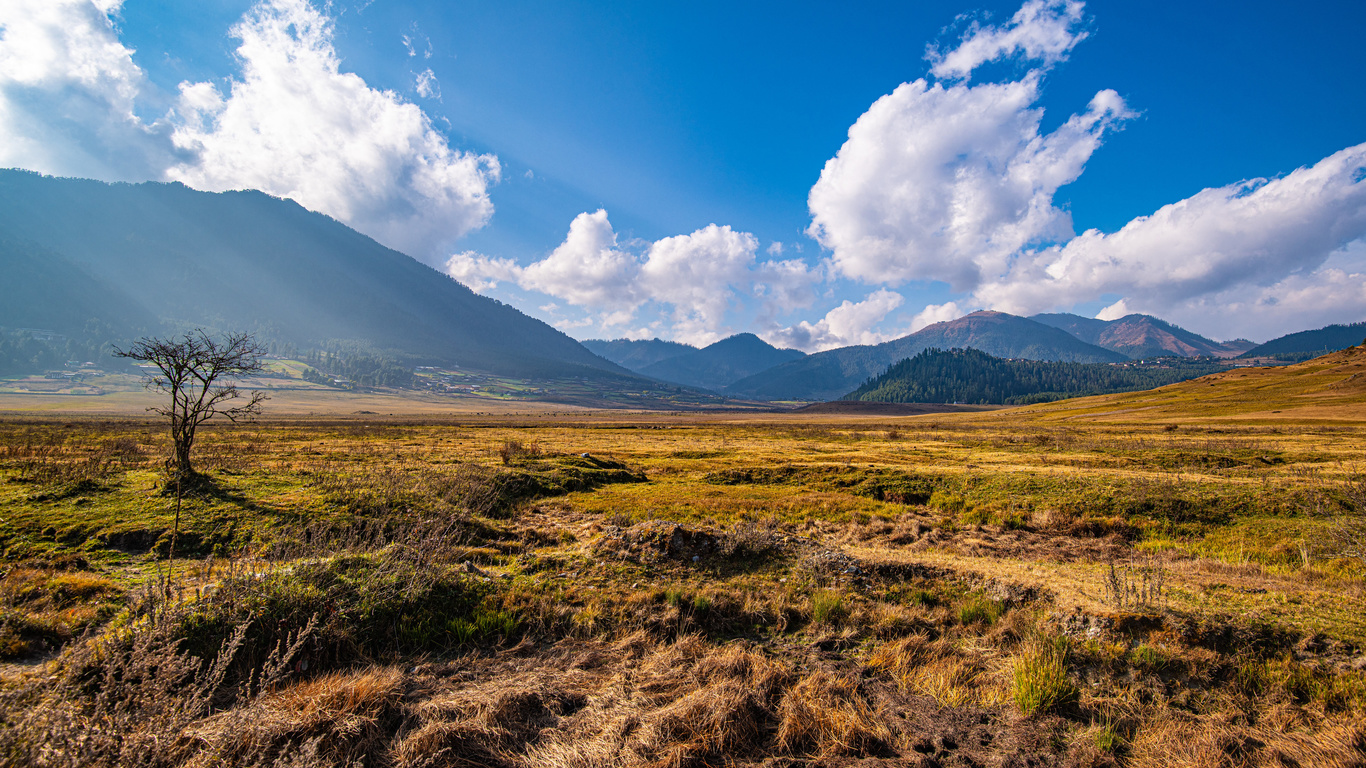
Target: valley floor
x=562, y=588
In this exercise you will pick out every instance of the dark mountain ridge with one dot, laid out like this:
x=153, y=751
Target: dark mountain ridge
x=1142, y=336
x=634, y=355
x=722, y=363
x=1304, y=345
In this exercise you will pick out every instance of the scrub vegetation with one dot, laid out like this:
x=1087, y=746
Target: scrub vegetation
x=1010, y=588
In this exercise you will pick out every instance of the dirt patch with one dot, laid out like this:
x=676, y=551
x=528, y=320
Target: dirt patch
x=987, y=541
x=657, y=539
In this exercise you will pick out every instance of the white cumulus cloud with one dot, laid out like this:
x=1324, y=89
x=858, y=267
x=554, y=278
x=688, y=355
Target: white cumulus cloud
x=697, y=280
x=588, y=268
x=956, y=184
x=849, y=323
x=294, y=125
x=1043, y=30
x=936, y=313
x=951, y=183
x=1241, y=245
x=68, y=92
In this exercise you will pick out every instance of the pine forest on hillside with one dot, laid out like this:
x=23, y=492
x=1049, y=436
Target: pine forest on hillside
x=972, y=376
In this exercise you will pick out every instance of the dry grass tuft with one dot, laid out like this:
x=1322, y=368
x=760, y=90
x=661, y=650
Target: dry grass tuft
x=348, y=715
x=901, y=658
x=1185, y=742
x=824, y=715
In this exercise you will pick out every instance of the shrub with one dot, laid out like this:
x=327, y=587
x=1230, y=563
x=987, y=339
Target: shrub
x=752, y=539
x=1136, y=585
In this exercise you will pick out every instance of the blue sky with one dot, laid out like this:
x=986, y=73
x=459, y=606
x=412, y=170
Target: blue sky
x=631, y=168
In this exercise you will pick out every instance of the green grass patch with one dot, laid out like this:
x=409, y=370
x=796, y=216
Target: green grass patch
x=1040, y=683
x=979, y=609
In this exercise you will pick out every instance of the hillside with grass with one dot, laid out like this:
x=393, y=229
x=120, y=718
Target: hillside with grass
x=1330, y=387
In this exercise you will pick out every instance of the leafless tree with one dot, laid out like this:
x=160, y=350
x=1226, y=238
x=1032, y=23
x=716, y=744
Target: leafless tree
x=197, y=370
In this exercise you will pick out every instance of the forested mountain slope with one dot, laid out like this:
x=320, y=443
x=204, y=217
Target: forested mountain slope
x=1307, y=344
x=974, y=377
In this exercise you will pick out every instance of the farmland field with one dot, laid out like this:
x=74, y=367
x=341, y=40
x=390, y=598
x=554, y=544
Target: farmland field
x=1145, y=579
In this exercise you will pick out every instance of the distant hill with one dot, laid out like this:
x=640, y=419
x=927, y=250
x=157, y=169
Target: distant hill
x=1331, y=387
x=635, y=355
x=1142, y=336
x=722, y=363
x=974, y=377
x=831, y=374
x=156, y=258
x=1306, y=344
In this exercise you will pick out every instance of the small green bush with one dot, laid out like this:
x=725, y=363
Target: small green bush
x=1108, y=739
x=1041, y=683
x=827, y=607
x=1148, y=657
x=979, y=609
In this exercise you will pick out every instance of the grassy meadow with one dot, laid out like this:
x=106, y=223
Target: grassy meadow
x=1113, y=581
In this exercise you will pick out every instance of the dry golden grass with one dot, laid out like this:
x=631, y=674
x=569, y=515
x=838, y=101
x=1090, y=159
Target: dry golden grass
x=831, y=621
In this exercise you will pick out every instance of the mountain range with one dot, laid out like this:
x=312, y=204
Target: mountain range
x=830, y=374
x=712, y=367
x=634, y=355
x=1303, y=345
x=119, y=261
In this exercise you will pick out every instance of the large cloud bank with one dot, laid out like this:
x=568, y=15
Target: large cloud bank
x=956, y=183
x=949, y=181
x=291, y=124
